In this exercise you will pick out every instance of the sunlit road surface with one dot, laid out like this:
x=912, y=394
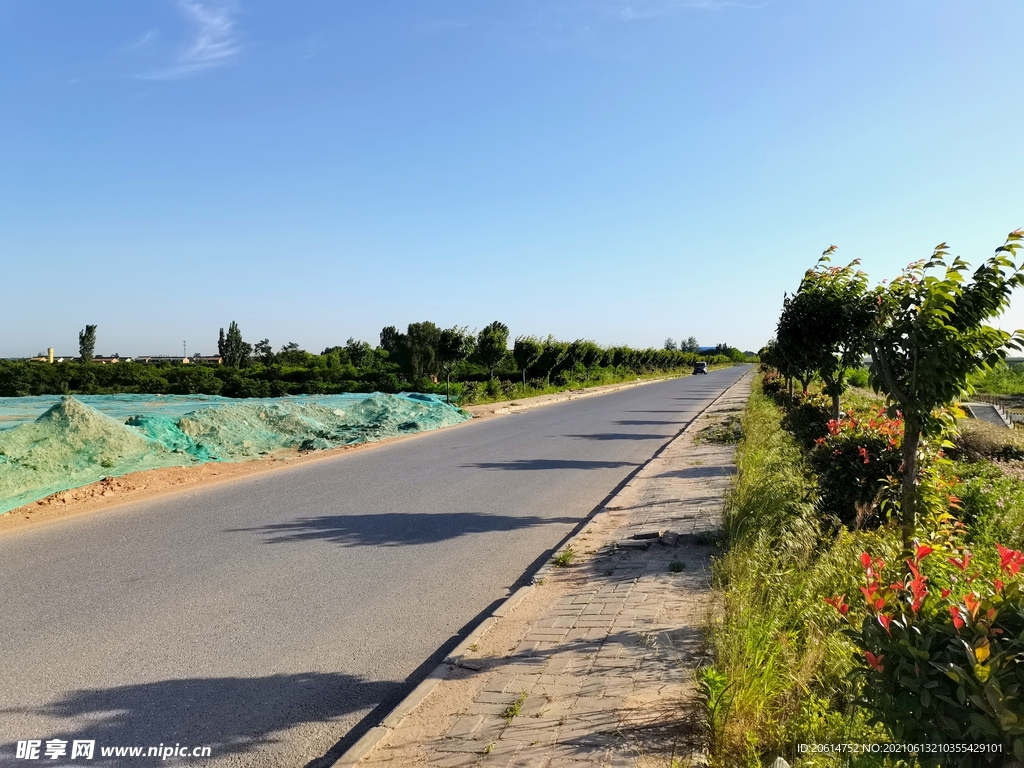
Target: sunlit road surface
x=269, y=618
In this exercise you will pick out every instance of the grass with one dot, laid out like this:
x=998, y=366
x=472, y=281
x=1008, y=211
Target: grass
x=780, y=670
x=980, y=440
x=564, y=557
x=1004, y=380
x=677, y=566
x=726, y=432
x=512, y=710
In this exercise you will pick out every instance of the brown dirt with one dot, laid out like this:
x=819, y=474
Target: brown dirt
x=140, y=486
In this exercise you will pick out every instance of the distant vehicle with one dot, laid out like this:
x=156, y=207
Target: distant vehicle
x=700, y=368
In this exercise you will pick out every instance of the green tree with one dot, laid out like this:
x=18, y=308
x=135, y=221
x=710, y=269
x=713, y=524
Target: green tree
x=291, y=354
x=932, y=334
x=360, y=354
x=263, y=351
x=422, y=340
x=827, y=324
x=690, y=345
x=454, y=345
x=527, y=352
x=670, y=344
x=87, y=343
x=232, y=348
x=553, y=356
x=396, y=345
x=492, y=345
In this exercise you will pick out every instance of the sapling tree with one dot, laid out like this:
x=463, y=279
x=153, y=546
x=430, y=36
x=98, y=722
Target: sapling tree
x=454, y=345
x=527, y=351
x=932, y=333
x=87, y=343
x=826, y=325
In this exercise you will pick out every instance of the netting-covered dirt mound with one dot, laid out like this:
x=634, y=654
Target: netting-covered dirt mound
x=73, y=444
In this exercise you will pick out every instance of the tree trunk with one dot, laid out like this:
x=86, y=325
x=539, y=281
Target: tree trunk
x=789, y=384
x=908, y=502
x=448, y=388
x=524, y=378
x=835, y=407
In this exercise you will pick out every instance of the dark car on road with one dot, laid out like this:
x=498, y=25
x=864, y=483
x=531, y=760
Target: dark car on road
x=701, y=367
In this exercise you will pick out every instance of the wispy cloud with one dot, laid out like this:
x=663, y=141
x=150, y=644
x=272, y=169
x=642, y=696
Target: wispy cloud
x=215, y=42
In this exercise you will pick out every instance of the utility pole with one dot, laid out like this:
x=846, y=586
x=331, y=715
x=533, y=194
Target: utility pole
x=184, y=349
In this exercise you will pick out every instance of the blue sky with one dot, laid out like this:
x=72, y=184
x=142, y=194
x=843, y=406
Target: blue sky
x=619, y=171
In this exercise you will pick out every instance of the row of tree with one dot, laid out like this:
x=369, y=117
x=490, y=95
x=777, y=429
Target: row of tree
x=926, y=333
x=414, y=359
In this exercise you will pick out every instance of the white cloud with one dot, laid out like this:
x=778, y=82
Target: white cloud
x=215, y=42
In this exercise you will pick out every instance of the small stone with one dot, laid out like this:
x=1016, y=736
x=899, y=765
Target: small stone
x=669, y=538
x=647, y=535
x=633, y=544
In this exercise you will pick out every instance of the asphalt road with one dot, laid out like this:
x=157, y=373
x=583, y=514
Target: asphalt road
x=268, y=618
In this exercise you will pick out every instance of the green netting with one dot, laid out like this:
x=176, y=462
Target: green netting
x=73, y=444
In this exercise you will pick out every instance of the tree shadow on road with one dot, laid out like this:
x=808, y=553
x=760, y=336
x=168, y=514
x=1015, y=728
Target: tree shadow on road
x=393, y=529
x=543, y=464
x=640, y=422
x=621, y=436
x=231, y=715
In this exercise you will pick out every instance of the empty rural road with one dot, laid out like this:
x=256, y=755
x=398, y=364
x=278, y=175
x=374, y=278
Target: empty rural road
x=268, y=617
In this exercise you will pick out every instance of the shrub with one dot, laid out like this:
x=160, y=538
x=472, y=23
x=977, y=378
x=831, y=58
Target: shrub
x=807, y=422
x=946, y=668
x=470, y=392
x=857, y=377
x=855, y=462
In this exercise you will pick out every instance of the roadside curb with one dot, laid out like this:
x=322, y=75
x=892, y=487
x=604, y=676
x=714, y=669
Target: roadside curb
x=393, y=720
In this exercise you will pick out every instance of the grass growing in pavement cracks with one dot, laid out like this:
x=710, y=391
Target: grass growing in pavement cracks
x=513, y=709
x=564, y=557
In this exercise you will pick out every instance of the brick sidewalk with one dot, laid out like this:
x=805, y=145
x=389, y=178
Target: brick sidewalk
x=603, y=678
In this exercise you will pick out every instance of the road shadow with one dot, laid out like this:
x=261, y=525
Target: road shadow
x=620, y=436
x=701, y=473
x=394, y=529
x=544, y=464
x=231, y=715
x=643, y=422
x=659, y=411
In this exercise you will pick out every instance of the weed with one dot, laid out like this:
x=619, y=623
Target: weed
x=725, y=432
x=489, y=748
x=564, y=557
x=513, y=709
x=677, y=566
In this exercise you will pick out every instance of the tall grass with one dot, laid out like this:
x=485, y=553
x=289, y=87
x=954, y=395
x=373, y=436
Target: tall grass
x=781, y=664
